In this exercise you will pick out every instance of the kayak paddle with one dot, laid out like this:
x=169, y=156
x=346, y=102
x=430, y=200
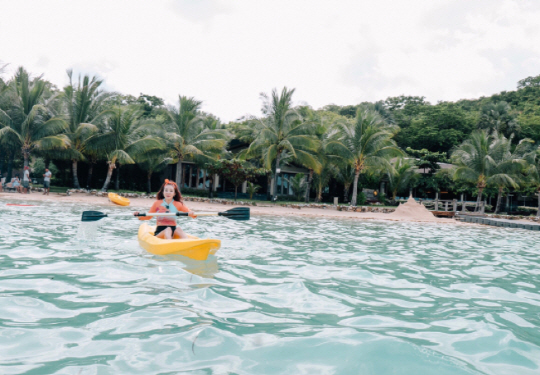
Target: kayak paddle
x=238, y=213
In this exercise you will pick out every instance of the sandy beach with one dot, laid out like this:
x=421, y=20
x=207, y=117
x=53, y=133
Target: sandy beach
x=412, y=211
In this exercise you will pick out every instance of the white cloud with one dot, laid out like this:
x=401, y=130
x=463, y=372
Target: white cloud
x=226, y=53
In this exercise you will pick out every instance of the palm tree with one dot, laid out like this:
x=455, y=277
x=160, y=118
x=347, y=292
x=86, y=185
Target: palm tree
x=83, y=103
x=511, y=164
x=321, y=180
x=401, y=176
x=487, y=160
x=252, y=189
x=498, y=117
x=533, y=172
x=188, y=136
x=30, y=125
x=366, y=143
x=282, y=130
x=123, y=138
x=474, y=162
x=345, y=175
x=298, y=184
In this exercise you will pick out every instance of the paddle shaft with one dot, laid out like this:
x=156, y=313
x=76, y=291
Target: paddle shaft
x=151, y=214
x=238, y=213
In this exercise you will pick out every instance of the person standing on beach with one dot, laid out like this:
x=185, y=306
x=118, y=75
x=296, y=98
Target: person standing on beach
x=46, y=182
x=26, y=180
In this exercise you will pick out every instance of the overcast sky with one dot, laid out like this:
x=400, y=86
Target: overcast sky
x=227, y=52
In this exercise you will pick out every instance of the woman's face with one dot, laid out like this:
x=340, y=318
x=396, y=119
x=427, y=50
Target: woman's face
x=168, y=192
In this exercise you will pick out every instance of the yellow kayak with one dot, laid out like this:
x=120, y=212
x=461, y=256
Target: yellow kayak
x=192, y=247
x=116, y=199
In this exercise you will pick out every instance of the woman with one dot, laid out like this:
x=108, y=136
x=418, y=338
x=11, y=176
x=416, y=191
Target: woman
x=16, y=183
x=169, y=200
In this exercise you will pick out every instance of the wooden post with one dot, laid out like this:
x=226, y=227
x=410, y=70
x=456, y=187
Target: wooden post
x=462, y=203
x=446, y=206
x=454, y=205
x=437, y=201
x=190, y=175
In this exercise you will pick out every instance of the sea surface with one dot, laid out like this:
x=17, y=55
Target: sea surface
x=282, y=296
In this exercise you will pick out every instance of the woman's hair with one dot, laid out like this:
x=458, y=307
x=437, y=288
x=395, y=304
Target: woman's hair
x=177, y=195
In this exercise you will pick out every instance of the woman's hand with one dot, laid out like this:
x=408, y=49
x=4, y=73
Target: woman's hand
x=192, y=214
x=135, y=213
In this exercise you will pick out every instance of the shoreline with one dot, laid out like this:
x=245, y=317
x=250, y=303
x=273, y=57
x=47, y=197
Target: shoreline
x=145, y=203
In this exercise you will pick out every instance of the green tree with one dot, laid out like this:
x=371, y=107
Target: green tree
x=84, y=102
x=345, y=175
x=282, y=130
x=485, y=160
x=298, y=185
x=187, y=136
x=123, y=139
x=508, y=165
x=498, y=117
x=366, y=143
x=236, y=171
x=252, y=189
x=437, y=128
x=29, y=125
x=401, y=176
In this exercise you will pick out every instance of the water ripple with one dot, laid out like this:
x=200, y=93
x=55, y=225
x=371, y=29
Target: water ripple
x=282, y=296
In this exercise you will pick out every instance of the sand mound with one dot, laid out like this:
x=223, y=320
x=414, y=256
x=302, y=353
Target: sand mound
x=413, y=211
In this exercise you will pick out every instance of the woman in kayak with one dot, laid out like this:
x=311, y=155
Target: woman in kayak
x=169, y=200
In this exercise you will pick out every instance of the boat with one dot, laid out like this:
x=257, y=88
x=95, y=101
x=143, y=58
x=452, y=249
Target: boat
x=116, y=199
x=192, y=247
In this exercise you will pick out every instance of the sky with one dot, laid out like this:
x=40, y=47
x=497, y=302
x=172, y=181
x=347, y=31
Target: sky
x=226, y=53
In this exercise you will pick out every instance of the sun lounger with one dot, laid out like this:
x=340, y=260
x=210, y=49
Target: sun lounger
x=9, y=186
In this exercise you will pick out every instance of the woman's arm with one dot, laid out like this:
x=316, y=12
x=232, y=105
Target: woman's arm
x=154, y=208
x=182, y=207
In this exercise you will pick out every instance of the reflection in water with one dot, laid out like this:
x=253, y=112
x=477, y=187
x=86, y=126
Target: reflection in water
x=289, y=296
x=206, y=269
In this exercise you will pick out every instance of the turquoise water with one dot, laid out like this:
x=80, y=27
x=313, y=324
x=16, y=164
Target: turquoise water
x=282, y=296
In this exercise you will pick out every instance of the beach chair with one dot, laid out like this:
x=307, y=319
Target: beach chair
x=9, y=186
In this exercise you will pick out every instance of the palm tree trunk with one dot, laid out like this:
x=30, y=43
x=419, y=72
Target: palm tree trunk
x=275, y=174
x=235, y=192
x=26, y=157
x=346, y=188
x=319, y=193
x=355, y=188
x=308, y=184
x=268, y=184
x=89, y=178
x=108, y=179
x=10, y=166
x=499, y=199
x=478, y=199
x=149, y=184
x=75, y=178
x=117, y=181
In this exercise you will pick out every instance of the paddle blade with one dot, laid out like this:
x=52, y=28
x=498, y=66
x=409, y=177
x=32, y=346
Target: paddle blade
x=238, y=213
x=92, y=215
